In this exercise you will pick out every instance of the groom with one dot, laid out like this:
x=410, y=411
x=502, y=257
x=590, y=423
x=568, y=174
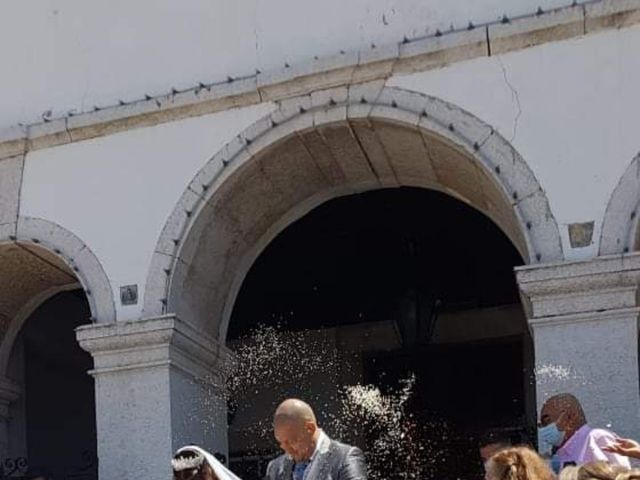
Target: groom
x=309, y=453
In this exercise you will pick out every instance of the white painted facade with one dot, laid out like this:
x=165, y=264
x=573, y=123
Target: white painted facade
x=567, y=105
x=98, y=55
x=555, y=106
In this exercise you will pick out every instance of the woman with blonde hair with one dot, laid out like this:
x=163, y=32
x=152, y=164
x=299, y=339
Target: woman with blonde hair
x=517, y=463
x=606, y=471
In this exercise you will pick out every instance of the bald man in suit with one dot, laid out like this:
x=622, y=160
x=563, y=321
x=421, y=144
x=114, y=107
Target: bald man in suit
x=309, y=454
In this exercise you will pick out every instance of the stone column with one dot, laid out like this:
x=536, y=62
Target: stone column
x=156, y=384
x=9, y=392
x=584, y=321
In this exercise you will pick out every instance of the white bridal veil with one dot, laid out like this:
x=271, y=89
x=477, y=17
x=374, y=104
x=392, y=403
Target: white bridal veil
x=222, y=472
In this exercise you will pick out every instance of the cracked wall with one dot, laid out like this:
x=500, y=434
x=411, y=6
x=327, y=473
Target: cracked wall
x=97, y=55
x=570, y=108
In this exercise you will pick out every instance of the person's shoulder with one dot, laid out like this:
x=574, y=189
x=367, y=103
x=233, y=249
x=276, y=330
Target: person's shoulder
x=276, y=462
x=344, y=448
x=597, y=433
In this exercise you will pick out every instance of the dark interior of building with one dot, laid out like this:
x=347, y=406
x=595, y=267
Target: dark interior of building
x=409, y=256
x=60, y=400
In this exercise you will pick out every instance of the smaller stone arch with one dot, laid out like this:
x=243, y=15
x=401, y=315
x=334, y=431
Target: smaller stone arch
x=72, y=261
x=620, y=223
x=520, y=205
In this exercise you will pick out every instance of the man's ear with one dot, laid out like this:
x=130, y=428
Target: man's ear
x=311, y=427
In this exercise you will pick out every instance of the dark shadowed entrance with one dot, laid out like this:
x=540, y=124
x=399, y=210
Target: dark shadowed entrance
x=58, y=409
x=410, y=281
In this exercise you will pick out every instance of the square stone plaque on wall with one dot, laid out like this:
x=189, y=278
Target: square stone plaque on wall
x=129, y=295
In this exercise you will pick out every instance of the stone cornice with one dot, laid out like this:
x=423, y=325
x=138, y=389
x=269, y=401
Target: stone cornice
x=603, y=284
x=611, y=270
x=377, y=62
x=616, y=314
x=153, y=342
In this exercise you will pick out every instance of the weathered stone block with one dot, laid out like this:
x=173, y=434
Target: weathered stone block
x=375, y=152
x=505, y=162
x=366, y=93
x=622, y=214
x=329, y=97
x=607, y=14
x=206, y=176
x=49, y=134
x=157, y=283
x=533, y=30
x=13, y=141
x=174, y=229
x=327, y=115
x=541, y=226
x=66, y=244
x=96, y=284
x=10, y=182
x=437, y=51
x=290, y=108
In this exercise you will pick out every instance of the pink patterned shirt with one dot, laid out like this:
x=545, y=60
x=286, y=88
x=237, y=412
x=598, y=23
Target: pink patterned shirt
x=586, y=446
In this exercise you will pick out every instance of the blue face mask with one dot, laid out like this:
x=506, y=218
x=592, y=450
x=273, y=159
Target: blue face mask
x=551, y=435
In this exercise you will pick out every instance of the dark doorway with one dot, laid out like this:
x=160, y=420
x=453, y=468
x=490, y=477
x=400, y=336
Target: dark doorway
x=432, y=273
x=60, y=401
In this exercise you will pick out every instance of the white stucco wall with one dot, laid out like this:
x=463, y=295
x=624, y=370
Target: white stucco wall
x=70, y=55
x=570, y=109
x=116, y=192
x=574, y=101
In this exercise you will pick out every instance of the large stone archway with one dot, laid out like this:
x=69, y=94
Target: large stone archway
x=320, y=146
x=40, y=260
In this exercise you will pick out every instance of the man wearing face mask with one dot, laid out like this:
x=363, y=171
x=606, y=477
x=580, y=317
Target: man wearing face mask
x=565, y=432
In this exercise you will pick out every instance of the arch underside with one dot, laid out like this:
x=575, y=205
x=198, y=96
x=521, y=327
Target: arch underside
x=282, y=170
x=305, y=170
x=39, y=259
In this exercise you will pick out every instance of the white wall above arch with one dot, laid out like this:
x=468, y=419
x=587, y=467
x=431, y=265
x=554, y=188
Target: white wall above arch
x=569, y=108
x=98, y=54
x=336, y=131
x=116, y=191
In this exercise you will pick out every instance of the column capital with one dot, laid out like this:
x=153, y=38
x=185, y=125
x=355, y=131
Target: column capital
x=578, y=290
x=153, y=342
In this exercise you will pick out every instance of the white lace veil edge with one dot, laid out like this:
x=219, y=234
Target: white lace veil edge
x=222, y=472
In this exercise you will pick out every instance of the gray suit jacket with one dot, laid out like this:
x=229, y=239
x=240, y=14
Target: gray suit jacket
x=334, y=461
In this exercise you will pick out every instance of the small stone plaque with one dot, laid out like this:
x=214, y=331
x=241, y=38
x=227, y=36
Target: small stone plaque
x=580, y=234
x=129, y=295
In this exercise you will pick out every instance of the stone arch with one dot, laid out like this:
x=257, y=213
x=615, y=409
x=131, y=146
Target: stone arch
x=62, y=262
x=620, y=223
x=331, y=143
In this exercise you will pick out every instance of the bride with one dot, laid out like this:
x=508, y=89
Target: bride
x=194, y=463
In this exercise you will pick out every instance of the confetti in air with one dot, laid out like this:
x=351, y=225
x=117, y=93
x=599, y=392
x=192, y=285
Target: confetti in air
x=272, y=360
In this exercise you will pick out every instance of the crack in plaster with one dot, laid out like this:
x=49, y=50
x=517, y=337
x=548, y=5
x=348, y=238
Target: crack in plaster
x=515, y=97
